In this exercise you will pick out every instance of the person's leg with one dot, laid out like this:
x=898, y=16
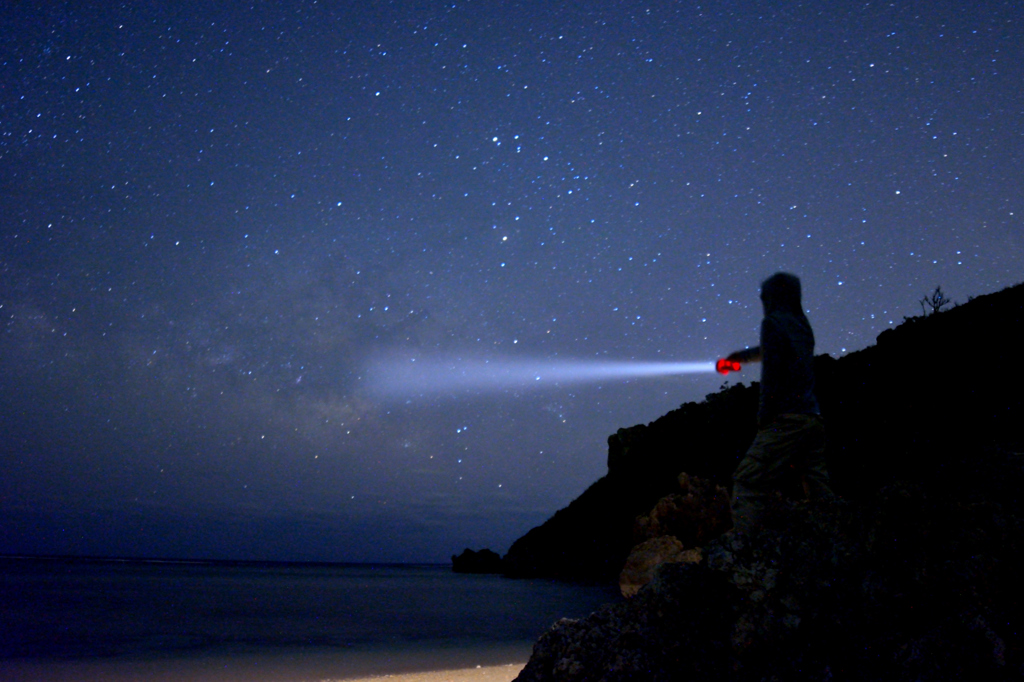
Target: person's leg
x=747, y=501
x=790, y=448
x=811, y=455
x=759, y=473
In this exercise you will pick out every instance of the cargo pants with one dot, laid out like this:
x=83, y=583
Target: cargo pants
x=788, y=455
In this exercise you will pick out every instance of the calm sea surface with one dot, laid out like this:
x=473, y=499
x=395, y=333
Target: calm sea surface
x=102, y=620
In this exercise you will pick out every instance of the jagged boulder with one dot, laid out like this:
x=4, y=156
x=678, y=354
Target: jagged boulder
x=647, y=556
x=676, y=628
x=919, y=583
x=674, y=530
x=694, y=515
x=484, y=561
x=786, y=577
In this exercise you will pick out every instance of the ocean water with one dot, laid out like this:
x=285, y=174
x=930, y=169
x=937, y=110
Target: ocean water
x=81, y=620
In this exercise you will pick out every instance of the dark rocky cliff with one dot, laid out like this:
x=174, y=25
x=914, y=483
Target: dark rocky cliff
x=925, y=397
x=590, y=539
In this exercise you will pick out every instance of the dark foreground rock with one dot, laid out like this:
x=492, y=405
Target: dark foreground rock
x=675, y=629
x=484, y=561
x=920, y=583
x=646, y=557
x=675, y=530
x=697, y=512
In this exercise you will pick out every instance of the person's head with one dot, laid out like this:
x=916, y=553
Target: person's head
x=781, y=292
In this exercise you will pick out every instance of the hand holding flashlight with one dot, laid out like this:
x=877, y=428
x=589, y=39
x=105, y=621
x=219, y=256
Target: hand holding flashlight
x=724, y=366
x=734, y=361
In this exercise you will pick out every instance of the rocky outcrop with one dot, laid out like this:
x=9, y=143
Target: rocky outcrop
x=676, y=628
x=646, y=557
x=674, y=530
x=484, y=561
x=919, y=583
x=697, y=513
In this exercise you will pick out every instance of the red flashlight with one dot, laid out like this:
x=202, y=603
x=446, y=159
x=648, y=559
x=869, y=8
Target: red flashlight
x=724, y=366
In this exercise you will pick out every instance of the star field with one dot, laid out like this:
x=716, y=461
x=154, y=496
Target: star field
x=212, y=219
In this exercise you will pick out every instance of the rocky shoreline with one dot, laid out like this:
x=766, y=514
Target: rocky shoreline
x=861, y=593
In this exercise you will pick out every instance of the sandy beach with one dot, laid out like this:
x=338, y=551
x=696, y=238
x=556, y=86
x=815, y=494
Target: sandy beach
x=501, y=663
x=492, y=673
x=165, y=673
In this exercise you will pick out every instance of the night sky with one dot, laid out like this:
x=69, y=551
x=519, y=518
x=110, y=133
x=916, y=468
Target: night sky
x=215, y=216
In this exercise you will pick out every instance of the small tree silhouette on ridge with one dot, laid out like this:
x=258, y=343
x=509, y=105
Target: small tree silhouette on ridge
x=936, y=302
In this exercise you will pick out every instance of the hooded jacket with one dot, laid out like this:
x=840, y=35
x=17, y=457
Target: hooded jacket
x=787, y=351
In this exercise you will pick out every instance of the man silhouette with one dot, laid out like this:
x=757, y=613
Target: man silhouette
x=789, y=450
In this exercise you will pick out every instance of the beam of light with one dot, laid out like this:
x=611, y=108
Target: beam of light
x=408, y=377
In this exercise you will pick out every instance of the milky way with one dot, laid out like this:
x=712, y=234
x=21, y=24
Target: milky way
x=213, y=221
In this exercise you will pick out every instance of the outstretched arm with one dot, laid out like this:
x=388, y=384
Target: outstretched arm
x=748, y=355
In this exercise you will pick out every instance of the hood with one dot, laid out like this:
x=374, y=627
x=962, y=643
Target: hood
x=781, y=293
